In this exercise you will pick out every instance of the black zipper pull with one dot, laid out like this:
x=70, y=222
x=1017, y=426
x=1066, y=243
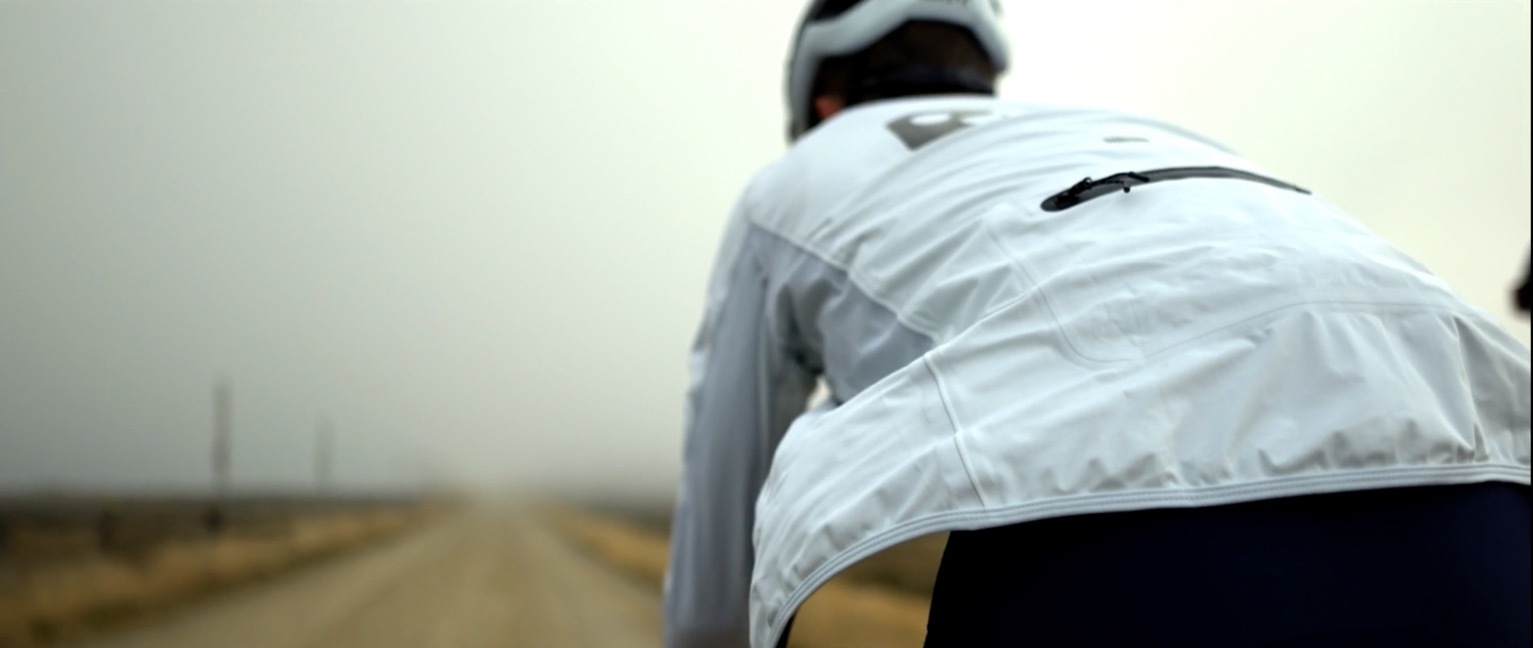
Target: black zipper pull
x=1076, y=193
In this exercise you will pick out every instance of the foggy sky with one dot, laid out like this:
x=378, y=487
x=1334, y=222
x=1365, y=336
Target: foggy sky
x=475, y=235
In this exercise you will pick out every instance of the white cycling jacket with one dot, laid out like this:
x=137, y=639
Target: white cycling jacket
x=1004, y=342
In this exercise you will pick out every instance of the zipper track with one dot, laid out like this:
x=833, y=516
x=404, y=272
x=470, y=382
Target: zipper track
x=1089, y=189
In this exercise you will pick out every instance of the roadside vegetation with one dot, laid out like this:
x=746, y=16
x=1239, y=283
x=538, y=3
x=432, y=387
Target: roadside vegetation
x=69, y=567
x=880, y=602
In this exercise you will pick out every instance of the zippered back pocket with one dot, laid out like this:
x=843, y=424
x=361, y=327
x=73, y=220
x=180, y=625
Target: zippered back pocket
x=1089, y=189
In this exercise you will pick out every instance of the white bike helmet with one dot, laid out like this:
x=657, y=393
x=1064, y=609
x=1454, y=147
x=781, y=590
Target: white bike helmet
x=824, y=33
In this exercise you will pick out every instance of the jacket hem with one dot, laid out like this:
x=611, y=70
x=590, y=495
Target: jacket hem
x=967, y=520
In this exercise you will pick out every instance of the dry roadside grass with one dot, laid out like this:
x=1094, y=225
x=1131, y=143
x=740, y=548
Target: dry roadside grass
x=870, y=606
x=73, y=598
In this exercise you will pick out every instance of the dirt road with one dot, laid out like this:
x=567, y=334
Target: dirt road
x=485, y=577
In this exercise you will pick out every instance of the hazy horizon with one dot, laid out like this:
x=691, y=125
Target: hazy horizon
x=475, y=235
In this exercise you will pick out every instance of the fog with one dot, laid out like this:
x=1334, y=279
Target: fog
x=475, y=235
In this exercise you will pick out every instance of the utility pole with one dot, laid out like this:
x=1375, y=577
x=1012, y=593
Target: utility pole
x=223, y=449
x=324, y=455
x=223, y=441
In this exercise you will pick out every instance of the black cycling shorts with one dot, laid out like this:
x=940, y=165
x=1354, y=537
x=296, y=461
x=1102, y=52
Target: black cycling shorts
x=1426, y=566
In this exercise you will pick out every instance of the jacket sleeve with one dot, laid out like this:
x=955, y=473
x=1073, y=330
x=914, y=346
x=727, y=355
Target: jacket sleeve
x=746, y=388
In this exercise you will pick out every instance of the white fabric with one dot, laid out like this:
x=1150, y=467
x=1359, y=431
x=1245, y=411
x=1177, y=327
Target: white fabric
x=1188, y=343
